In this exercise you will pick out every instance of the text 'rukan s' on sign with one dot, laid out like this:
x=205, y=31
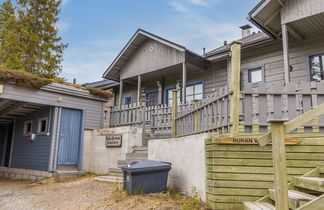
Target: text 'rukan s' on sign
x=114, y=140
x=247, y=140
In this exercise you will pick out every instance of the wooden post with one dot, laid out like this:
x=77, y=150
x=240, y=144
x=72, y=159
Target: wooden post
x=279, y=164
x=139, y=88
x=174, y=112
x=196, y=116
x=184, y=83
x=120, y=93
x=143, y=121
x=285, y=47
x=160, y=92
x=235, y=88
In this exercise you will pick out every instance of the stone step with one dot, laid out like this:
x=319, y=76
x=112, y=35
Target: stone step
x=311, y=183
x=118, y=179
x=115, y=170
x=136, y=155
x=68, y=174
x=140, y=150
x=296, y=198
x=258, y=206
x=67, y=168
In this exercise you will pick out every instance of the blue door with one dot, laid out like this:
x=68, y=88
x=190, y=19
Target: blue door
x=69, y=137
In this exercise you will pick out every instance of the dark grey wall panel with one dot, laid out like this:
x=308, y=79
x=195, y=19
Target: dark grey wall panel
x=5, y=143
x=27, y=154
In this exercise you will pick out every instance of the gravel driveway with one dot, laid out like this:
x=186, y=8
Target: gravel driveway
x=76, y=194
x=84, y=193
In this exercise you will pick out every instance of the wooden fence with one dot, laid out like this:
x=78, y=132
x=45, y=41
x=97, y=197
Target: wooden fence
x=209, y=114
x=157, y=117
x=258, y=104
x=265, y=102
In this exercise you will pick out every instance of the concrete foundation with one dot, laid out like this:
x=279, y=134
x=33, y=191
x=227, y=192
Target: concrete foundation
x=187, y=155
x=97, y=158
x=27, y=174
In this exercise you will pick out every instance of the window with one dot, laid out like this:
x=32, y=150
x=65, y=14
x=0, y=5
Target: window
x=128, y=100
x=317, y=67
x=194, y=92
x=255, y=75
x=42, y=125
x=28, y=126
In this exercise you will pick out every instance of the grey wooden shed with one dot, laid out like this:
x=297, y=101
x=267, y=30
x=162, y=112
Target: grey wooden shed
x=42, y=129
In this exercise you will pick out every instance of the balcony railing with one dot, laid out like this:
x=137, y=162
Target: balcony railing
x=258, y=104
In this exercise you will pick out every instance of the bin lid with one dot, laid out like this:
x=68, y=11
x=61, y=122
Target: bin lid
x=146, y=165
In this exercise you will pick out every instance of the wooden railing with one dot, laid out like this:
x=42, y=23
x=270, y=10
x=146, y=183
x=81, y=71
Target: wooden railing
x=210, y=114
x=279, y=129
x=157, y=117
x=258, y=104
x=265, y=102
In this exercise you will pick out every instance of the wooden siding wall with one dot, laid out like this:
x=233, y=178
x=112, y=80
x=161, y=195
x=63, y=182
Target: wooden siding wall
x=298, y=9
x=27, y=154
x=237, y=173
x=151, y=56
x=271, y=59
x=214, y=77
x=93, y=109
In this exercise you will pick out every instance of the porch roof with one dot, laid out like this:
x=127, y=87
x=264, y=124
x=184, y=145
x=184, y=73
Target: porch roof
x=11, y=109
x=269, y=15
x=133, y=44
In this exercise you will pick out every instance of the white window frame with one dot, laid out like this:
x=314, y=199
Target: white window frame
x=25, y=127
x=249, y=74
x=39, y=125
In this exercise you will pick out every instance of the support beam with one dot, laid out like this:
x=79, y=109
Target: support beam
x=295, y=34
x=235, y=88
x=121, y=85
x=139, y=88
x=279, y=164
x=5, y=102
x=184, y=83
x=285, y=47
x=11, y=109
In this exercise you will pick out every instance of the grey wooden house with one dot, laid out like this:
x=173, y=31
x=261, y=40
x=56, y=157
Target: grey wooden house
x=244, y=89
x=289, y=50
x=42, y=129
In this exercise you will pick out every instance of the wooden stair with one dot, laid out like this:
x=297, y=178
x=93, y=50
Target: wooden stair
x=312, y=183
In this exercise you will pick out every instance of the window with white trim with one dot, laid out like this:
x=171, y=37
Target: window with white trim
x=255, y=75
x=42, y=125
x=28, y=126
x=194, y=92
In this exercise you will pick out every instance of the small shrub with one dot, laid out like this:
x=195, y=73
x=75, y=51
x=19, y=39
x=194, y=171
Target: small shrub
x=194, y=202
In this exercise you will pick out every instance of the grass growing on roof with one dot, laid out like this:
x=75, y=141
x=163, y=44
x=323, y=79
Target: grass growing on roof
x=25, y=79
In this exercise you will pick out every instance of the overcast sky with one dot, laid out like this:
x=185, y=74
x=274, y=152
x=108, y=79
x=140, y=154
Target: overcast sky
x=97, y=30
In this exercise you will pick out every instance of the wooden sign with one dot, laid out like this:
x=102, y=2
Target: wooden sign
x=247, y=140
x=114, y=140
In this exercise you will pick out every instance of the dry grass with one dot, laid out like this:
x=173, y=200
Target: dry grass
x=172, y=199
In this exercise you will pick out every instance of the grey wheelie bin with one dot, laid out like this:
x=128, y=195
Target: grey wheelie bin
x=143, y=177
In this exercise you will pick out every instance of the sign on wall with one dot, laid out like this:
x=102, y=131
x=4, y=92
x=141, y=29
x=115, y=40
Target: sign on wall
x=248, y=140
x=114, y=140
